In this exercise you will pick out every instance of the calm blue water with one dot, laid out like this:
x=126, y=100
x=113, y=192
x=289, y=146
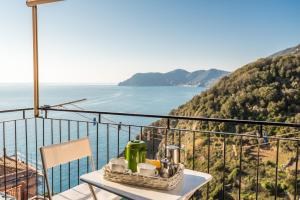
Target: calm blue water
x=149, y=100
x=145, y=100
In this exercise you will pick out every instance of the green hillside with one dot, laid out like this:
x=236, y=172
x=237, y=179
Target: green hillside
x=265, y=90
x=268, y=89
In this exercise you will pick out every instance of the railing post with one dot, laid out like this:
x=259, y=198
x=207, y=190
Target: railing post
x=179, y=144
x=87, y=159
x=166, y=136
x=276, y=173
x=16, y=157
x=261, y=131
x=99, y=118
x=69, y=164
x=296, y=172
x=141, y=133
x=153, y=144
x=224, y=166
x=129, y=133
x=24, y=115
x=240, y=167
x=208, y=165
x=258, y=157
x=4, y=159
x=60, y=167
x=194, y=150
x=52, y=170
x=36, y=155
x=173, y=137
x=43, y=139
x=26, y=152
x=119, y=128
x=97, y=146
x=78, y=161
x=107, y=143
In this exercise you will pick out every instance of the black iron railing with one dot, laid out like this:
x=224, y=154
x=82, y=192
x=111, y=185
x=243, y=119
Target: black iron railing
x=237, y=153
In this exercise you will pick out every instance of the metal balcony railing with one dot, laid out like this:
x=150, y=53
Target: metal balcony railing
x=248, y=159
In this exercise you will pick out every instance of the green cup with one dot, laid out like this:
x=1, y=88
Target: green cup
x=135, y=152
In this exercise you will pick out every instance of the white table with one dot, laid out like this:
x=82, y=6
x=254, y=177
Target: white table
x=191, y=182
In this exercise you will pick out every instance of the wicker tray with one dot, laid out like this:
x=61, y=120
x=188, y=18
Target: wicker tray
x=144, y=181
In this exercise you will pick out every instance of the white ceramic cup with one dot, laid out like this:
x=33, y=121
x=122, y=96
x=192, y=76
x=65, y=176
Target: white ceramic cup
x=146, y=169
x=118, y=165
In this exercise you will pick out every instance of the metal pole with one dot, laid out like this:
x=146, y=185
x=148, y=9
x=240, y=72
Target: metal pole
x=35, y=61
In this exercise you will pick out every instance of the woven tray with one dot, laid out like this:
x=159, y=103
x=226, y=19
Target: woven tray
x=144, y=181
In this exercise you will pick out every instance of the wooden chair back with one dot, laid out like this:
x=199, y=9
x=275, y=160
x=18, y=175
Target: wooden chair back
x=63, y=153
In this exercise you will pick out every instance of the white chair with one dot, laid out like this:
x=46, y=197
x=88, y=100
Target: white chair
x=57, y=154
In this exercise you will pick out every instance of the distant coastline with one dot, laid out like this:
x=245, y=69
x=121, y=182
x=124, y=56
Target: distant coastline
x=178, y=77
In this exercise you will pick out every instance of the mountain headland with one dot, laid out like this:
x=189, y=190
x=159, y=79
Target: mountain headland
x=178, y=77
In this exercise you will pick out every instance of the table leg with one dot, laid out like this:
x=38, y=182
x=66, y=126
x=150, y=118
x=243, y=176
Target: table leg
x=93, y=192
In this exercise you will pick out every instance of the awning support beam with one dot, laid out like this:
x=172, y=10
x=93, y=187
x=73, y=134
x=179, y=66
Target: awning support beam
x=35, y=61
x=33, y=4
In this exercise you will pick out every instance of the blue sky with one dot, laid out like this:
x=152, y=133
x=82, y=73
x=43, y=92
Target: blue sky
x=106, y=41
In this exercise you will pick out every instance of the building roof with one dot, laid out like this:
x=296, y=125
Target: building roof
x=10, y=165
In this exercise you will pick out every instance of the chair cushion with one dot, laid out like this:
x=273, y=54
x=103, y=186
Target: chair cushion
x=82, y=192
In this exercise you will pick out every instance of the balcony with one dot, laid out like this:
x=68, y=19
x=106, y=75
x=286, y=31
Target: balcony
x=259, y=161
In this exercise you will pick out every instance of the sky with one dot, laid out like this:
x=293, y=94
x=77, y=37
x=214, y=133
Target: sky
x=107, y=41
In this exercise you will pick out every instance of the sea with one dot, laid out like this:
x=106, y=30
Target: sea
x=99, y=97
